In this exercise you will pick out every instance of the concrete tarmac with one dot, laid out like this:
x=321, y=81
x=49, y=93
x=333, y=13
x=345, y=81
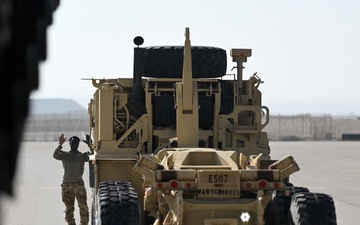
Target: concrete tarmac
x=326, y=167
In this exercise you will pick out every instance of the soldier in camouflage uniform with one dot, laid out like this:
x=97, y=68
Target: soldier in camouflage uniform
x=73, y=185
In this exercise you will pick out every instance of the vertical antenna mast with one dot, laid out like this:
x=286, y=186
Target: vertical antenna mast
x=187, y=117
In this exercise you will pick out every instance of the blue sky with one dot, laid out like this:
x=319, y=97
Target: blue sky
x=306, y=51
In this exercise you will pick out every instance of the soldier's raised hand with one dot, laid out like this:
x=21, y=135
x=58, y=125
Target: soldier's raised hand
x=62, y=139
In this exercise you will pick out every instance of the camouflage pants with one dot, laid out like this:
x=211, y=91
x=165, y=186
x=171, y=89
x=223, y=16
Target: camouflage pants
x=69, y=192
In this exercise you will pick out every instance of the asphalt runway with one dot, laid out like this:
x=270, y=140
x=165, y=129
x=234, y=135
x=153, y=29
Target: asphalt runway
x=326, y=167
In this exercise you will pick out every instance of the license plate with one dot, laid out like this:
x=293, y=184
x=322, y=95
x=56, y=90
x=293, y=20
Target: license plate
x=218, y=184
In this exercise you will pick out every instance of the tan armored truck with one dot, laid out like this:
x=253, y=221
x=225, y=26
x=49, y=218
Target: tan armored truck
x=178, y=144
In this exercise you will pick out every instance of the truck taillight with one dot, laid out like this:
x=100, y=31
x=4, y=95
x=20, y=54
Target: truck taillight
x=262, y=183
x=248, y=185
x=174, y=184
x=276, y=185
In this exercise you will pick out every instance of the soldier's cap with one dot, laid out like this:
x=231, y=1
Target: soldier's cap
x=74, y=139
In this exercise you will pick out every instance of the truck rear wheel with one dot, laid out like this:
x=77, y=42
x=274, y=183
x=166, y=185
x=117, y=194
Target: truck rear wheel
x=278, y=210
x=167, y=61
x=117, y=204
x=276, y=213
x=312, y=208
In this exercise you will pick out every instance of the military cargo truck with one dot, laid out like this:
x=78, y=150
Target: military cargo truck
x=181, y=143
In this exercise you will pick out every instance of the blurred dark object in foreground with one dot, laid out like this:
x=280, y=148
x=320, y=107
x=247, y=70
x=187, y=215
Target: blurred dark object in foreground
x=23, y=26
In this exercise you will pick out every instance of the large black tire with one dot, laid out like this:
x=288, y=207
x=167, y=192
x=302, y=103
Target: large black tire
x=118, y=204
x=278, y=210
x=312, y=208
x=297, y=189
x=167, y=61
x=276, y=213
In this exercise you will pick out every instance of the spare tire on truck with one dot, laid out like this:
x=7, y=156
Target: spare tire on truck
x=118, y=204
x=167, y=61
